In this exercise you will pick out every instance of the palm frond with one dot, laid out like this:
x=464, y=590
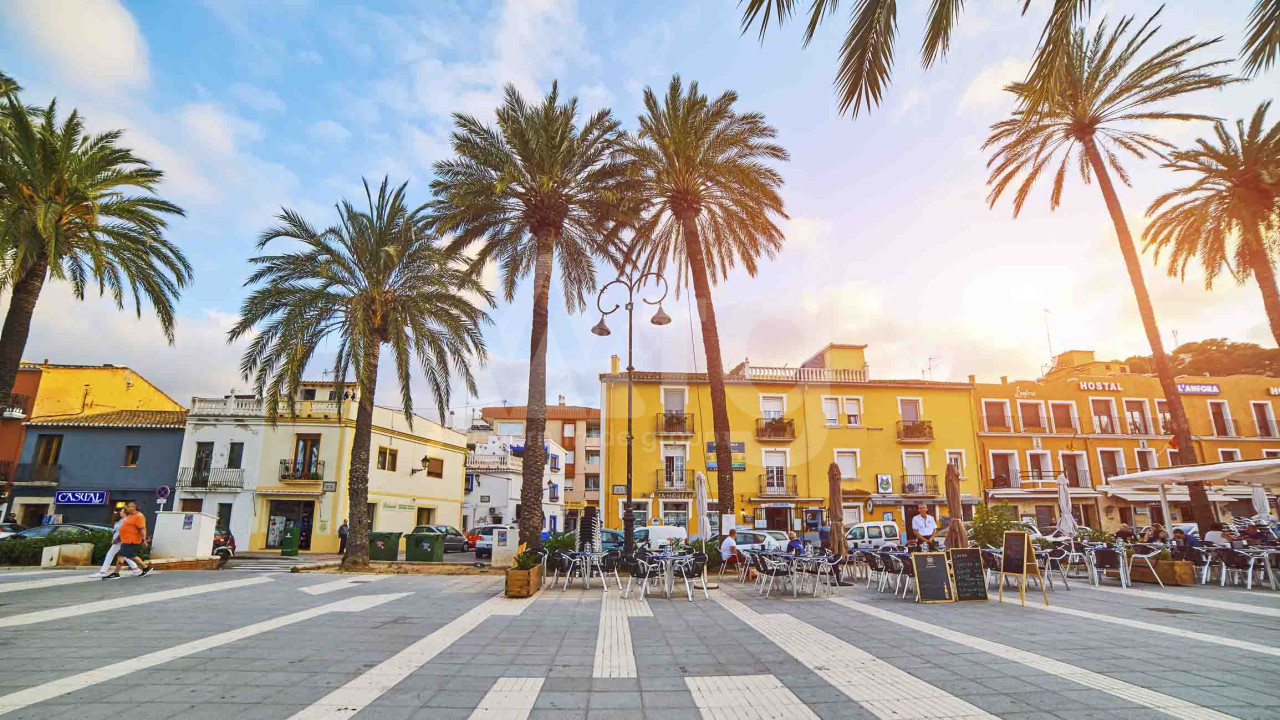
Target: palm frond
x=1262, y=38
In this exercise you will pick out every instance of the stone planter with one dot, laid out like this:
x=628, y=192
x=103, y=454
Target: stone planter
x=1171, y=572
x=524, y=583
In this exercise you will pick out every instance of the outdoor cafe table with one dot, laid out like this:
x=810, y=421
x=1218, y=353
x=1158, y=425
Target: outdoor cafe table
x=591, y=562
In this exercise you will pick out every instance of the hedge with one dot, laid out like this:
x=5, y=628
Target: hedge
x=28, y=552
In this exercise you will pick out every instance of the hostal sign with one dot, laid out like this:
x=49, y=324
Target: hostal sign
x=1100, y=385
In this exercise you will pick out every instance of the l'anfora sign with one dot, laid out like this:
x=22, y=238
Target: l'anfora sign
x=1099, y=385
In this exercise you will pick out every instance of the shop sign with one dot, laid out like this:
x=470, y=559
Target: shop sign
x=777, y=505
x=619, y=489
x=1103, y=386
x=739, y=451
x=1198, y=389
x=1026, y=393
x=1273, y=391
x=330, y=486
x=81, y=497
x=884, y=484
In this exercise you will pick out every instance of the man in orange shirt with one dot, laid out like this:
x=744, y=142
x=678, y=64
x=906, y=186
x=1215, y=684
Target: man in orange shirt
x=133, y=535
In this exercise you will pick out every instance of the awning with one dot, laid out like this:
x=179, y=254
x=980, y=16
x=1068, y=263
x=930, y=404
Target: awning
x=289, y=492
x=1046, y=494
x=1174, y=496
x=776, y=501
x=917, y=500
x=1245, y=472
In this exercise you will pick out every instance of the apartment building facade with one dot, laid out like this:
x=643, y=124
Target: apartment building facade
x=577, y=430
x=891, y=440
x=260, y=476
x=1091, y=420
x=495, y=477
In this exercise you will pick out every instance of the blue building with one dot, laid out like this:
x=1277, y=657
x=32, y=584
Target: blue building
x=83, y=468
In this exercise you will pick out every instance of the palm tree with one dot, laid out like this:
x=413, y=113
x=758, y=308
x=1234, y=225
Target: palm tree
x=1262, y=43
x=378, y=277
x=711, y=195
x=1234, y=199
x=66, y=213
x=535, y=190
x=1107, y=90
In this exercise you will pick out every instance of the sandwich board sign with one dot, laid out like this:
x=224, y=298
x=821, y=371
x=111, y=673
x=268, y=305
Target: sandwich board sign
x=967, y=574
x=1019, y=560
x=933, y=580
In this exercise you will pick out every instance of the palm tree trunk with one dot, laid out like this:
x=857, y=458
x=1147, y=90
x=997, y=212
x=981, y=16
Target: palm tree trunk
x=1201, y=511
x=715, y=366
x=358, y=473
x=17, y=322
x=535, y=424
x=1265, y=275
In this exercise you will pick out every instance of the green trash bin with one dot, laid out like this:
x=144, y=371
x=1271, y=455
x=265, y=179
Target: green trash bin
x=424, y=547
x=289, y=541
x=384, y=546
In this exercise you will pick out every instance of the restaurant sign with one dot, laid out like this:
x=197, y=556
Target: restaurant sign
x=1198, y=389
x=1104, y=386
x=81, y=497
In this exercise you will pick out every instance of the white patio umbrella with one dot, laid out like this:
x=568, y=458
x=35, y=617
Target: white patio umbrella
x=1066, y=522
x=704, y=522
x=1260, y=505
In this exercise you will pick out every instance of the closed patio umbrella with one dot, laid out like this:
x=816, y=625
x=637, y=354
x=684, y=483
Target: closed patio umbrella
x=835, y=512
x=1260, y=504
x=704, y=522
x=957, y=535
x=1066, y=522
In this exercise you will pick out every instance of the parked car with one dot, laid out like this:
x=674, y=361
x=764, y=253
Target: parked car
x=873, y=535
x=7, y=529
x=609, y=539
x=754, y=540
x=655, y=536
x=781, y=537
x=1191, y=529
x=454, y=541
x=484, y=541
x=42, y=531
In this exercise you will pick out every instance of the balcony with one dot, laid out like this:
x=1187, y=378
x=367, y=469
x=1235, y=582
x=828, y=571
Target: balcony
x=915, y=431
x=775, y=429
x=256, y=407
x=16, y=408
x=674, y=424
x=919, y=485
x=1040, y=480
x=301, y=471
x=1034, y=427
x=673, y=479
x=37, y=474
x=1106, y=425
x=192, y=478
x=776, y=484
x=1138, y=426
x=803, y=374
x=1066, y=428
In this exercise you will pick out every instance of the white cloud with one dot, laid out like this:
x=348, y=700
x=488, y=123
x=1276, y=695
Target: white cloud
x=219, y=130
x=594, y=97
x=987, y=87
x=256, y=98
x=910, y=100
x=329, y=131
x=94, y=44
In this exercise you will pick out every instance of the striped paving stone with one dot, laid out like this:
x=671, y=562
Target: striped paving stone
x=615, y=656
x=509, y=699
x=882, y=689
x=746, y=697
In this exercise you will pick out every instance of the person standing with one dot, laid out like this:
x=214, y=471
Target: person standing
x=115, y=545
x=924, y=527
x=343, y=529
x=133, y=535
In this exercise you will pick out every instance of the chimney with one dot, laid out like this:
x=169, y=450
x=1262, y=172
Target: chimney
x=615, y=364
x=562, y=401
x=1004, y=379
x=973, y=379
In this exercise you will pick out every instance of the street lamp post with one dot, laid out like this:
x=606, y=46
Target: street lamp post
x=632, y=283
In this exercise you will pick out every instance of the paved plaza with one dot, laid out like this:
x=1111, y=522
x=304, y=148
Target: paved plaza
x=228, y=645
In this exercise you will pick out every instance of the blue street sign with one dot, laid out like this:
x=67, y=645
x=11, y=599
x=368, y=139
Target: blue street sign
x=81, y=497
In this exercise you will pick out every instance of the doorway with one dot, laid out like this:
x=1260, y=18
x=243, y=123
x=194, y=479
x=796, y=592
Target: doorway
x=426, y=516
x=777, y=518
x=33, y=515
x=290, y=513
x=224, y=516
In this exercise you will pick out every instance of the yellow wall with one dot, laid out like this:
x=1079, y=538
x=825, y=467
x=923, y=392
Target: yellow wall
x=89, y=389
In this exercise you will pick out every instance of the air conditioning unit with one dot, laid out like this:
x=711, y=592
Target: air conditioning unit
x=493, y=511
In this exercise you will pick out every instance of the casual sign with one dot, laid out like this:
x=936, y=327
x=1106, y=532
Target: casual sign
x=933, y=581
x=1198, y=389
x=968, y=575
x=81, y=497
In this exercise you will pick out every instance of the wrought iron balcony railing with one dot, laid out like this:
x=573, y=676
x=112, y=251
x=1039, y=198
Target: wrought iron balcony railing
x=777, y=484
x=775, y=429
x=301, y=470
x=915, y=430
x=669, y=479
x=919, y=485
x=675, y=423
x=200, y=478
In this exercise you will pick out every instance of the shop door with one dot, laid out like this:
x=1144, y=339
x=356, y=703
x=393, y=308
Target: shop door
x=777, y=518
x=426, y=516
x=224, y=516
x=290, y=513
x=33, y=515
x=1045, y=515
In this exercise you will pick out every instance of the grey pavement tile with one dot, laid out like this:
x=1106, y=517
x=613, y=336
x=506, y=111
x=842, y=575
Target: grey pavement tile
x=613, y=700
x=666, y=699
x=562, y=700
x=614, y=684
x=541, y=714
x=615, y=714
x=456, y=699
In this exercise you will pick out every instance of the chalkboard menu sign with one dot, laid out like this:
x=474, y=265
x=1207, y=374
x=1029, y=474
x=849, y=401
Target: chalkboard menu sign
x=967, y=575
x=1014, y=561
x=933, y=581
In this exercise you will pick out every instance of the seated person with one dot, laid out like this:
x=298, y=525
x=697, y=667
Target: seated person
x=1218, y=535
x=1254, y=535
x=796, y=546
x=1155, y=533
x=729, y=548
x=1180, y=537
x=1125, y=533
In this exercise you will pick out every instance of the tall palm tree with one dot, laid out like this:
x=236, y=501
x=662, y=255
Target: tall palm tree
x=535, y=190
x=67, y=214
x=712, y=199
x=378, y=277
x=1262, y=41
x=1107, y=90
x=1234, y=199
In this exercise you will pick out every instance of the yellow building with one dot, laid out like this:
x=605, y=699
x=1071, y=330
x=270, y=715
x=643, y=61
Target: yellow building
x=891, y=439
x=1091, y=420
x=77, y=390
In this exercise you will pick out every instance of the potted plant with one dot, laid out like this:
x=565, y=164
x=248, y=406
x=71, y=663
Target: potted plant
x=525, y=578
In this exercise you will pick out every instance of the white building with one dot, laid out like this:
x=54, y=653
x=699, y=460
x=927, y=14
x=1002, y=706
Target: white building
x=260, y=477
x=495, y=468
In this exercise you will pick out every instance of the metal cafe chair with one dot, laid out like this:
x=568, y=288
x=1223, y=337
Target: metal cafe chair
x=692, y=567
x=644, y=572
x=1198, y=558
x=907, y=574
x=991, y=567
x=1145, y=553
x=772, y=569
x=1109, y=559
x=1239, y=563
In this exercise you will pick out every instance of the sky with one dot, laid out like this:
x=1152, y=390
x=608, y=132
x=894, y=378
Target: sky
x=249, y=107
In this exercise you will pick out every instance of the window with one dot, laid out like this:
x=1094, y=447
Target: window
x=1064, y=416
x=1221, y=416
x=673, y=401
x=1146, y=458
x=1032, y=416
x=873, y=532
x=48, y=448
x=1039, y=466
x=1075, y=465
x=235, y=455
x=593, y=431
x=387, y=459
x=307, y=394
x=956, y=457
x=639, y=509
x=191, y=505
x=1004, y=469
x=1112, y=462
x=1263, y=418
x=131, y=453
x=554, y=461
x=996, y=413
x=1104, y=416
x=909, y=409
x=435, y=467
x=568, y=429
x=510, y=428
x=469, y=484
x=1135, y=417
x=853, y=411
x=593, y=482
x=1162, y=416
x=1228, y=455
x=1270, y=454
x=593, y=457
x=847, y=461
x=831, y=411
x=568, y=457
x=772, y=406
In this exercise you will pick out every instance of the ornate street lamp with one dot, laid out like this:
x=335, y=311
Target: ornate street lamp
x=632, y=283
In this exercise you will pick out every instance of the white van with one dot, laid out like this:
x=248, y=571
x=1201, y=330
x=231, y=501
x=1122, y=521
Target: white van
x=873, y=535
x=655, y=536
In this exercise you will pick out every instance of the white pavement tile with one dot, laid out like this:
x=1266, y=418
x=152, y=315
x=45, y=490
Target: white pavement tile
x=1188, y=599
x=1167, y=704
x=879, y=687
x=615, y=656
x=343, y=583
x=48, y=582
x=746, y=696
x=509, y=699
x=126, y=601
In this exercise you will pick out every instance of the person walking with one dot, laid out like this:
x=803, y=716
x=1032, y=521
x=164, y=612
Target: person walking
x=343, y=529
x=115, y=545
x=133, y=535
